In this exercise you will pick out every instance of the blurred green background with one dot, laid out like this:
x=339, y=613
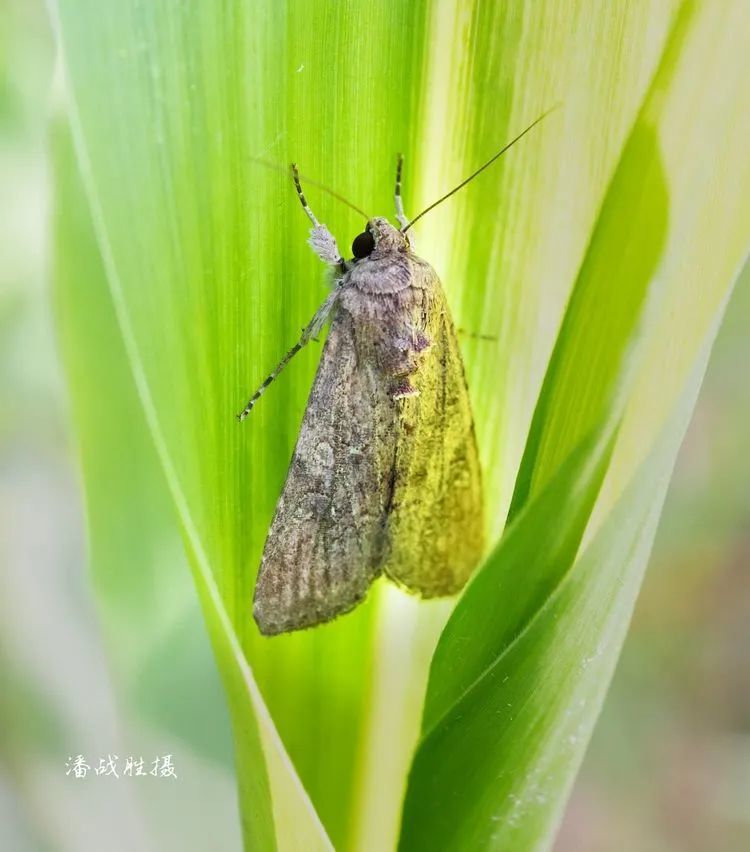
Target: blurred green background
x=669, y=766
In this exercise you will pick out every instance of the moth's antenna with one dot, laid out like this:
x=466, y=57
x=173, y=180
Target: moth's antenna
x=400, y=215
x=310, y=182
x=480, y=169
x=301, y=195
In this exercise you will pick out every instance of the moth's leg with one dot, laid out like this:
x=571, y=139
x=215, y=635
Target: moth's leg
x=475, y=336
x=321, y=240
x=400, y=215
x=308, y=332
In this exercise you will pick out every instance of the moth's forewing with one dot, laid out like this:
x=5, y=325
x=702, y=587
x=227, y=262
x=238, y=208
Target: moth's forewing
x=435, y=529
x=323, y=548
x=385, y=475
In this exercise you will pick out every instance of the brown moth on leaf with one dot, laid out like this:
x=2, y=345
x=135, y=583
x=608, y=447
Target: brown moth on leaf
x=385, y=477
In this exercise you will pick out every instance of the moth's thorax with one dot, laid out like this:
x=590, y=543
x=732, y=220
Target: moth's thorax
x=391, y=266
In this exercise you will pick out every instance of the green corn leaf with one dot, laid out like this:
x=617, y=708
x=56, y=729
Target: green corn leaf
x=173, y=108
x=137, y=574
x=522, y=667
x=167, y=688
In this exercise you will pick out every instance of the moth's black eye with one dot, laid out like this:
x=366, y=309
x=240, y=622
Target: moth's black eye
x=363, y=244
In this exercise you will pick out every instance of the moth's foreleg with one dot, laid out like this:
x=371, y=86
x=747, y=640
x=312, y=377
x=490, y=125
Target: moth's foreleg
x=321, y=240
x=311, y=330
x=323, y=243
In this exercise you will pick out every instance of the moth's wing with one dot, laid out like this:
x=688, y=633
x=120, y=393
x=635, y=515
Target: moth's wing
x=323, y=549
x=435, y=527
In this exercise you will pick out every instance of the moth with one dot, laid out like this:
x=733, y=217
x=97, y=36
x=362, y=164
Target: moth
x=385, y=478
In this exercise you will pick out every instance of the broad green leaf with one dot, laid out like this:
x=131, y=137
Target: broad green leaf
x=515, y=736
x=542, y=546
x=589, y=364
x=507, y=247
x=516, y=686
x=139, y=576
x=137, y=565
x=211, y=280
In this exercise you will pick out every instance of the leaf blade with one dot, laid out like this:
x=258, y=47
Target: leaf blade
x=502, y=737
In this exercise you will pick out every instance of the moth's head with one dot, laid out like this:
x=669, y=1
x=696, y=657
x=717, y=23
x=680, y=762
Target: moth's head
x=378, y=238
